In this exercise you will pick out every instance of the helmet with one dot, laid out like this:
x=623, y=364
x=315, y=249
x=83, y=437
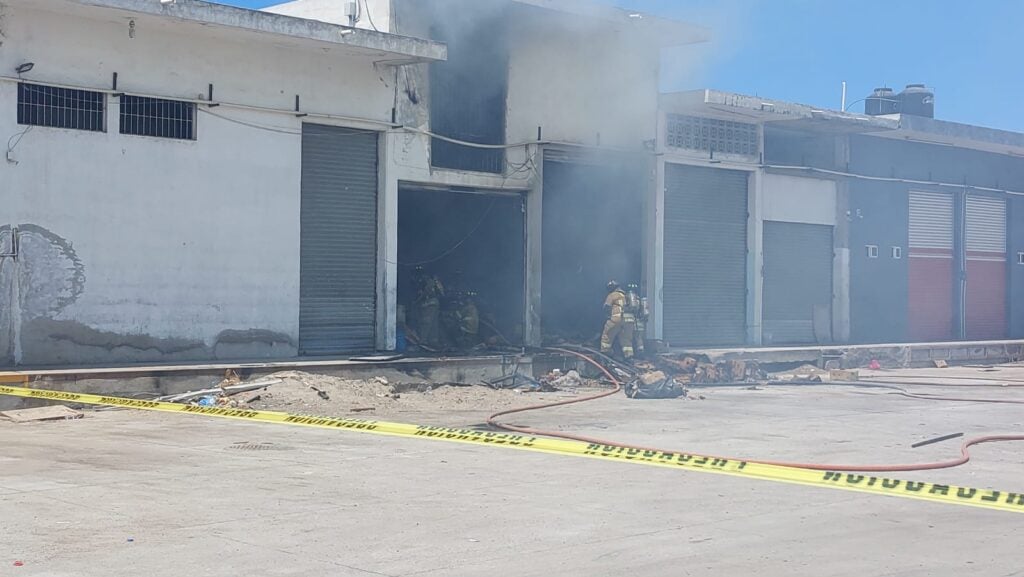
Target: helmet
x=633, y=287
x=612, y=285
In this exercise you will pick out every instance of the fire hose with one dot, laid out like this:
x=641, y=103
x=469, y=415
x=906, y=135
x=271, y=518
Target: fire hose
x=925, y=466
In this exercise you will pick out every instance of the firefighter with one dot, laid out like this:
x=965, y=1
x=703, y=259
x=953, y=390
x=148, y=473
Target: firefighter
x=616, y=329
x=468, y=315
x=638, y=306
x=427, y=307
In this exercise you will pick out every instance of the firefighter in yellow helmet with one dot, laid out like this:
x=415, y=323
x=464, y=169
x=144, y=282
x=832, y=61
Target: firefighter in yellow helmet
x=616, y=327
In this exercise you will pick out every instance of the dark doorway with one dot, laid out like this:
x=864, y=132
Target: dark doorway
x=592, y=233
x=472, y=243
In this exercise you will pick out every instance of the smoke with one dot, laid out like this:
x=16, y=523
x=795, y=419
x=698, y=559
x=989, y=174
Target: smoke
x=588, y=76
x=693, y=66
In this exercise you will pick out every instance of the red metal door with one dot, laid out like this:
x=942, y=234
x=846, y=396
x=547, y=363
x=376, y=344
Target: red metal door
x=985, y=292
x=930, y=267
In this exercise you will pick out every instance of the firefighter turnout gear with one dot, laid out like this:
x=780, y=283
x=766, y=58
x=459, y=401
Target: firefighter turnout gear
x=469, y=322
x=637, y=309
x=427, y=308
x=616, y=327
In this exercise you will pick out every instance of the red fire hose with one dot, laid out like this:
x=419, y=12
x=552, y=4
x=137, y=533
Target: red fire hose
x=964, y=453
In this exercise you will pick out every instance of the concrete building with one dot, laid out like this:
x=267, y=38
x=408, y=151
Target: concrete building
x=190, y=181
x=563, y=94
x=271, y=181
x=833, y=227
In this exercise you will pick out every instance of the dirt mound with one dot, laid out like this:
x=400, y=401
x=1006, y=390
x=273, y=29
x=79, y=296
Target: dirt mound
x=324, y=395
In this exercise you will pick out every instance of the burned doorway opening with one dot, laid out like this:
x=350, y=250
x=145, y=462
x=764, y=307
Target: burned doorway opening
x=473, y=243
x=592, y=233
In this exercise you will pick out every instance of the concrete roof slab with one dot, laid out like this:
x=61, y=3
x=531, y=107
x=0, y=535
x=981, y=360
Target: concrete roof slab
x=741, y=107
x=354, y=41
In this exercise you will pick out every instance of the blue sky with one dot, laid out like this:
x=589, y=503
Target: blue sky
x=971, y=53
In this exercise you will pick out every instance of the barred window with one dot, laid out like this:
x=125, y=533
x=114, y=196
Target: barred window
x=41, y=105
x=713, y=135
x=144, y=116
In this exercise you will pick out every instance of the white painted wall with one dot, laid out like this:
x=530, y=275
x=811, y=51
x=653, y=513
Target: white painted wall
x=578, y=81
x=373, y=14
x=798, y=199
x=178, y=239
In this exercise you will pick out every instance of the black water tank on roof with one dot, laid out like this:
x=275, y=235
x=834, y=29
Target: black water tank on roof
x=882, y=101
x=918, y=100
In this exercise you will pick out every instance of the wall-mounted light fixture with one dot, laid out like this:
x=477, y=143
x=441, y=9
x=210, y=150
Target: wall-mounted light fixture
x=23, y=68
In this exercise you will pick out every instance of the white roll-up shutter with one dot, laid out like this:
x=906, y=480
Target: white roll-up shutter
x=931, y=220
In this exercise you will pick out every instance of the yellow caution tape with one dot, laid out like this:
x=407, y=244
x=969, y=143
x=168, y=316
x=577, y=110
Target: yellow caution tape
x=951, y=494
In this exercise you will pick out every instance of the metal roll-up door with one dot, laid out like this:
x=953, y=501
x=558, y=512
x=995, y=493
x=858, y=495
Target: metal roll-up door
x=985, y=312
x=930, y=266
x=705, y=284
x=338, y=272
x=797, y=283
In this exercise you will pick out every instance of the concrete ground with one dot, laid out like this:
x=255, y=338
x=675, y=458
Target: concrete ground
x=124, y=493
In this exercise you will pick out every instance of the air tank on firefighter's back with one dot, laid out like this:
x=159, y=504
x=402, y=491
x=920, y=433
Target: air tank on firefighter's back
x=882, y=101
x=917, y=100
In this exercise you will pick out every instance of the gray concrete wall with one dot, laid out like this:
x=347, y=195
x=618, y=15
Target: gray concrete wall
x=878, y=214
x=891, y=158
x=793, y=148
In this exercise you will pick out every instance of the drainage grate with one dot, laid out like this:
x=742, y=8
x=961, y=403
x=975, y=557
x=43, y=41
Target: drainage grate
x=247, y=446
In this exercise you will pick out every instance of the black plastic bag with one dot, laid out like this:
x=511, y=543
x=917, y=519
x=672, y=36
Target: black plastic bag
x=666, y=388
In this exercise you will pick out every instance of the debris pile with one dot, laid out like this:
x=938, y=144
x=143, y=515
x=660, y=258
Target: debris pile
x=230, y=392
x=570, y=380
x=690, y=370
x=311, y=393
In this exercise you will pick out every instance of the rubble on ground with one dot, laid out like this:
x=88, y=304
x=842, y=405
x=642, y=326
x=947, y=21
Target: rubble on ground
x=690, y=370
x=559, y=381
x=372, y=397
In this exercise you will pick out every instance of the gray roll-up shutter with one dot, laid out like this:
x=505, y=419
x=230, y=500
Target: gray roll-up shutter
x=797, y=283
x=705, y=283
x=338, y=272
x=579, y=155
